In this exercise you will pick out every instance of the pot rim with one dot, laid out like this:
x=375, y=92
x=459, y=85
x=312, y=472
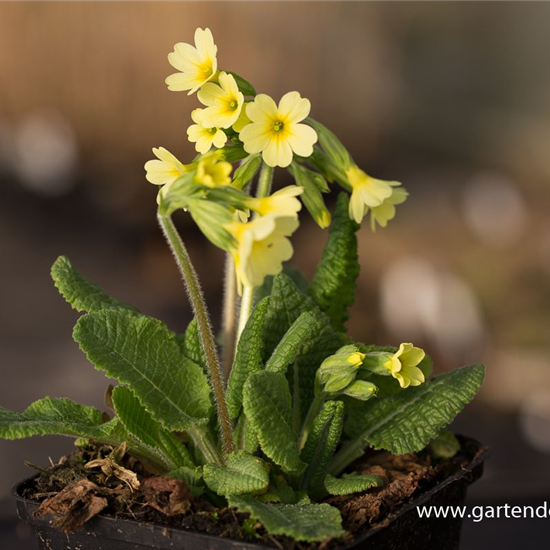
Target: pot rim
x=117, y=528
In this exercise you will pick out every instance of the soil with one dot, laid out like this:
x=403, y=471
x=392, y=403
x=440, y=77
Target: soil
x=72, y=492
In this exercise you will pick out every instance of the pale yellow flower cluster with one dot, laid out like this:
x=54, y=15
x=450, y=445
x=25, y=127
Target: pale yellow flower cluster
x=233, y=118
x=263, y=126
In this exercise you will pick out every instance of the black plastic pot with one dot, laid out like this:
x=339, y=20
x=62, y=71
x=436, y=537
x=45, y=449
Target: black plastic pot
x=402, y=531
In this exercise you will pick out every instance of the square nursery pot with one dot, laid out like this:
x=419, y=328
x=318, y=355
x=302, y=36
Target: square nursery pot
x=401, y=530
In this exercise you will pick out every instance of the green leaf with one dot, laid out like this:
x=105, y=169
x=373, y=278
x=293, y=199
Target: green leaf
x=444, y=446
x=50, y=416
x=243, y=473
x=140, y=352
x=334, y=284
x=278, y=491
x=290, y=271
x=190, y=345
x=351, y=483
x=407, y=421
x=244, y=86
x=245, y=437
x=268, y=408
x=321, y=443
x=286, y=305
x=249, y=357
x=286, y=351
x=137, y=420
x=80, y=293
x=308, y=522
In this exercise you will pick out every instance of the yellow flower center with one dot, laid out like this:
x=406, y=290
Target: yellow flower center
x=233, y=104
x=278, y=126
x=212, y=131
x=207, y=69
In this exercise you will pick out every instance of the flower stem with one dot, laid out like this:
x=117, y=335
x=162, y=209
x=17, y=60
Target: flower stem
x=204, y=443
x=349, y=452
x=247, y=301
x=246, y=308
x=264, y=181
x=198, y=304
x=229, y=316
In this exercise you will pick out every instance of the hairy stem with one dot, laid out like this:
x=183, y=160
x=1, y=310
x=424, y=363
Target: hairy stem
x=229, y=316
x=204, y=327
x=247, y=301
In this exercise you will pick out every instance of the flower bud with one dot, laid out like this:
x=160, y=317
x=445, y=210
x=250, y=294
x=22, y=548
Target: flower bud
x=361, y=390
x=332, y=145
x=313, y=184
x=212, y=218
x=245, y=173
x=339, y=370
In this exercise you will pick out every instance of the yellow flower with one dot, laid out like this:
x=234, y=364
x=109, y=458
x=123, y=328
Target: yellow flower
x=366, y=192
x=280, y=203
x=382, y=214
x=275, y=130
x=224, y=102
x=212, y=172
x=165, y=170
x=204, y=137
x=197, y=65
x=403, y=365
x=262, y=247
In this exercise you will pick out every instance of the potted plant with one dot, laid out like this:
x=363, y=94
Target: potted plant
x=298, y=427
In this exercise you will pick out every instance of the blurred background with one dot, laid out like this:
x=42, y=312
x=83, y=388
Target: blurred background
x=452, y=99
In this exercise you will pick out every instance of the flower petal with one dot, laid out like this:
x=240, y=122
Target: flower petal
x=277, y=153
x=263, y=107
x=293, y=107
x=301, y=139
x=255, y=137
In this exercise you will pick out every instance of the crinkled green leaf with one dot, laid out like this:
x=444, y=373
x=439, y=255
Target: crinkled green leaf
x=139, y=422
x=51, y=416
x=80, y=293
x=351, y=483
x=333, y=286
x=290, y=271
x=278, y=491
x=245, y=437
x=242, y=474
x=407, y=421
x=321, y=443
x=268, y=408
x=190, y=345
x=140, y=352
x=249, y=356
x=308, y=522
x=286, y=351
x=286, y=305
